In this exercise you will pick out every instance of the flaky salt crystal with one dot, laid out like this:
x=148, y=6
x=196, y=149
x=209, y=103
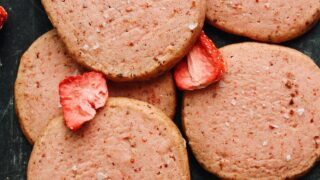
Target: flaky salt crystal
x=288, y=157
x=74, y=168
x=300, y=111
x=101, y=176
x=192, y=26
x=233, y=102
x=286, y=116
x=221, y=84
x=266, y=68
x=264, y=143
x=85, y=47
x=96, y=46
x=227, y=124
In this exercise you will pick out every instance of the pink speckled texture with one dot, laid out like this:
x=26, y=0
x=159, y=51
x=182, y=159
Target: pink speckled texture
x=159, y=92
x=42, y=67
x=264, y=20
x=127, y=40
x=128, y=139
x=36, y=87
x=262, y=120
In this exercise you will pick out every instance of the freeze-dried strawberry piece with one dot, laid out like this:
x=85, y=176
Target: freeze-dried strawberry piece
x=203, y=66
x=80, y=96
x=3, y=16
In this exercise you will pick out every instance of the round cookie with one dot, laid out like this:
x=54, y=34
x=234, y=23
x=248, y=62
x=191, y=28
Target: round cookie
x=46, y=63
x=262, y=120
x=127, y=40
x=119, y=143
x=41, y=69
x=264, y=20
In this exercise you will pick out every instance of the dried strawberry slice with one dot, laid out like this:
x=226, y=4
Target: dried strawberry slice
x=203, y=66
x=3, y=16
x=80, y=96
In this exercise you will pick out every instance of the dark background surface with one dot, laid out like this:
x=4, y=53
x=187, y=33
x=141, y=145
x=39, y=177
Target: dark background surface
x=27, y=21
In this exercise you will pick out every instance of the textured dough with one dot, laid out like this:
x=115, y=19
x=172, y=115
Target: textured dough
x=127, y=40
x=262, y=121
x=128, y=139
x=160, y=92
x=264, y=20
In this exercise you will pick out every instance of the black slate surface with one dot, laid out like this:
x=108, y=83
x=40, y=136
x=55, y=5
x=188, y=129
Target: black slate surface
x=27, y=21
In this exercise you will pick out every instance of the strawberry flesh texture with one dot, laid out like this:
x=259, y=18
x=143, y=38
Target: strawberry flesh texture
x=80, y=96
x=3, y=16
x=203, y=66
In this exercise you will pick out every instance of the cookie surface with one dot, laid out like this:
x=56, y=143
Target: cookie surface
x=159, y=92
x=46, y=63
x=119, y=143
x=41, y=69
x=264, y=20
x=262, y=120
x=127, y=40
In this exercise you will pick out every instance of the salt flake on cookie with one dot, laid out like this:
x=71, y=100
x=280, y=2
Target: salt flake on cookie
x=203, y=66
x=81, y=96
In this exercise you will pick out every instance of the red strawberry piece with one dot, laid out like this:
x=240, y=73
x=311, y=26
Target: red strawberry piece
x=80, y=96
x=3, y=16
x=203, y=66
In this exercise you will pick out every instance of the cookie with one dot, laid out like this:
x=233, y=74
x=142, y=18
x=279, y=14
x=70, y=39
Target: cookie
x=262, y=120
x=127, y=40
x=264, y=20
x=46, y=63
x=41, y=68
x=119, y=143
